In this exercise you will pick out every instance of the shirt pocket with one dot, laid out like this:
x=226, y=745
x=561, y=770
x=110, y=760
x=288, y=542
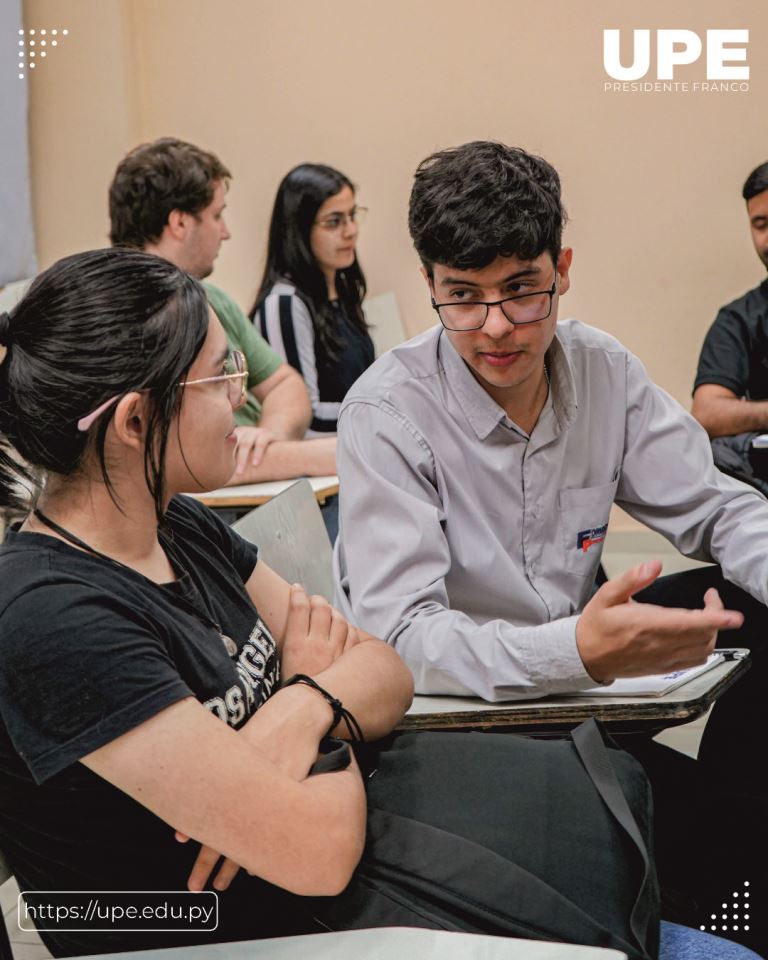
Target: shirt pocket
x=584, y=513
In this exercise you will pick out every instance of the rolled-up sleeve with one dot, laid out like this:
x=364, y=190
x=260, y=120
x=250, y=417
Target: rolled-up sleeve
x=392, y=561
x=725, y=353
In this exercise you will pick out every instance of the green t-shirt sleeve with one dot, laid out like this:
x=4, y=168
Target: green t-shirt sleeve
x=242, y=335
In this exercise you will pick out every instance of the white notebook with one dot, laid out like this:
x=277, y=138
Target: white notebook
x=654, y=686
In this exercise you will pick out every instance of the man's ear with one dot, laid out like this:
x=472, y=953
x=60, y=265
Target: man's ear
x=428, y=278
x=130, y=420
x=563, y=266
x=177, y=225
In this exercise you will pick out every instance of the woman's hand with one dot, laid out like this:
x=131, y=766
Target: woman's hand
x=316, y=635
x=286, y=730
x=204, y=865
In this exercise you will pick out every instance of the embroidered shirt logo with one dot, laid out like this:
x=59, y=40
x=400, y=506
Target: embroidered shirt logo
x=588, y=538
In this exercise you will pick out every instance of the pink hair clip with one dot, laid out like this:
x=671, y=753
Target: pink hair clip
x=85, y=423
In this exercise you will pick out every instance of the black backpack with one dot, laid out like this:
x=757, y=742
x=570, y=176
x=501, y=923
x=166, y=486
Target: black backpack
x=508, y=835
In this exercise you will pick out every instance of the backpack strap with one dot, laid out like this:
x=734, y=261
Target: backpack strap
x=590, y=740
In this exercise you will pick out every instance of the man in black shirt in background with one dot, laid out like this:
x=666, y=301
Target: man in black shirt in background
x=730, y=398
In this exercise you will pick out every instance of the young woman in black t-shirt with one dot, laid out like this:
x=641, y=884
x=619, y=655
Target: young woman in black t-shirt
x=309, y=304
x=125, y=640
x=141, y=651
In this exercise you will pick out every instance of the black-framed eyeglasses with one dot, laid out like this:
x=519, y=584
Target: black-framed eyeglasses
x=337, y=220
x=519, y=310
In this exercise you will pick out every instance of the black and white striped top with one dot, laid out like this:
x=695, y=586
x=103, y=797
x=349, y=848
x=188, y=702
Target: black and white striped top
x=285, y=322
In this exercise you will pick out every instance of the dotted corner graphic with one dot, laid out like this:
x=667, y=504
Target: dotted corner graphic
x=34, y=46
x=738, y=919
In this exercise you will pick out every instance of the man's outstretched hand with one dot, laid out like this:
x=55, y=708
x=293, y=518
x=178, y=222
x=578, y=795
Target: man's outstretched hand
x=617, y=637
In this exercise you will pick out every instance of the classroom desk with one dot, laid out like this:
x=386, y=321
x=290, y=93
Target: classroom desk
x=556, y=713
x=384, y=943
x=255, y=494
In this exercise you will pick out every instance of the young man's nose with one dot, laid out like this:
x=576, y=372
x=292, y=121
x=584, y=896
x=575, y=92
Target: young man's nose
x=496, y=324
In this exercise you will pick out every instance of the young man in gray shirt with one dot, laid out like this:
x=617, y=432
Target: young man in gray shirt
x=479, y=462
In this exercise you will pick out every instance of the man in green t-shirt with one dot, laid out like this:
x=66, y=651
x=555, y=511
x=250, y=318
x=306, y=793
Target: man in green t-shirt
x=168, y=198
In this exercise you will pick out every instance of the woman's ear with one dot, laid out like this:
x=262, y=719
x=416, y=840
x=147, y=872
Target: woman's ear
x=130, y=419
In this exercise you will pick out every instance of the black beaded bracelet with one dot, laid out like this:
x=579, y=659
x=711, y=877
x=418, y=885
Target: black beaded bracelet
x=339, y=712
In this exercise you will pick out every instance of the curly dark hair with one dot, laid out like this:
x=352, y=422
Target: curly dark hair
x=756, y=182
x=473, y=203
x=154, y=179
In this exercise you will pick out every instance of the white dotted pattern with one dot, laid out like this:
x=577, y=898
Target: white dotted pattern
x=29, y=43
x=735, y=916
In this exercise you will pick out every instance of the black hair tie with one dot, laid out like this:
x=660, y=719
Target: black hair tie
x=5, y=329
x=339, y=712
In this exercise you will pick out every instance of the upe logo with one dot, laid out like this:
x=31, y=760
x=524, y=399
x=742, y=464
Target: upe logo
x=724, y=49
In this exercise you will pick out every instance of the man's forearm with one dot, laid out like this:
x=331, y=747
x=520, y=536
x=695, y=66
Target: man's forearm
x=286, y=410
x=449, y=654
x=285, y=459
x=726, y=416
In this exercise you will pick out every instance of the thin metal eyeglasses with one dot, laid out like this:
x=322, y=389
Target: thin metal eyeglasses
x=519, y=310
x=236, y=375
x=338, y=220
x=236, y=378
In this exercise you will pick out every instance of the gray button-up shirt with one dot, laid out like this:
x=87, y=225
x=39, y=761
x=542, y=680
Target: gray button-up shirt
x=472, y=547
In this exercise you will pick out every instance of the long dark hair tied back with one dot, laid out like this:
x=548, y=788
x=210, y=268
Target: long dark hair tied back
x=91, y=327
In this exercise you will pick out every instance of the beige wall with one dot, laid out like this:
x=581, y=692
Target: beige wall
x=652, y=181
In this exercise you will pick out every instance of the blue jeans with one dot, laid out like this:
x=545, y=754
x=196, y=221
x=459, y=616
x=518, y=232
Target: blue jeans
x=684, y=943
x=330, y=512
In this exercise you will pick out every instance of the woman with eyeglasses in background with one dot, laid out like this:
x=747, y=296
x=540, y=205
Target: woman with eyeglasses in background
x=309, y=304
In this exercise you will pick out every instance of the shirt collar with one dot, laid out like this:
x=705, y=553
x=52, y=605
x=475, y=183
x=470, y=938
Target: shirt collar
x=562, y=384
x=482, y=411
